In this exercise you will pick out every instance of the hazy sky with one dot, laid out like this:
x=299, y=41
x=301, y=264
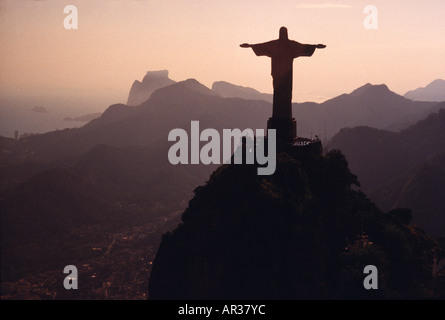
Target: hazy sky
x=117, y=41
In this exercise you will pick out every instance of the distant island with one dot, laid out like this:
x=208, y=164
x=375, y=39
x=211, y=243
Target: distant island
x=39, y=109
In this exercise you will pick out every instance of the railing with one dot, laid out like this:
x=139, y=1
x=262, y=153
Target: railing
x=305, y=141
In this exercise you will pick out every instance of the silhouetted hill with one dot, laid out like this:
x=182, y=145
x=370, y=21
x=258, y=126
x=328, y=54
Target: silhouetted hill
x=228, y=90
x=370, y=105
x=300, y=233
x=401, y=169
x=141, y=91
x=435, y=91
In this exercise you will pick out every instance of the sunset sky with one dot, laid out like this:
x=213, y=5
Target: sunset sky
x=119, y=40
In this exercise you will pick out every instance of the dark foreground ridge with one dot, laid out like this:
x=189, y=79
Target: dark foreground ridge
x=302, y=233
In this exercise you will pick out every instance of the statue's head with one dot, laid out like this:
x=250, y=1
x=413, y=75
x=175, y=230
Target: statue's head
x=283, y=33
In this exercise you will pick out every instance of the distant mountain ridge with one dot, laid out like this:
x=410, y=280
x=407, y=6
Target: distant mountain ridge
x=175, y=105
x=369, y=105
x=435, y=91
x=228, y=90
x=149, y=123
x=405, y=169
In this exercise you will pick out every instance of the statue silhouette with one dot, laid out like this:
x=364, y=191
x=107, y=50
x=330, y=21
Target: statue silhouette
x=283, y=51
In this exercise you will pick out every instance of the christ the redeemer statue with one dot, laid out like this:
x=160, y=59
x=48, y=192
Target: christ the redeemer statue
x=283, y=51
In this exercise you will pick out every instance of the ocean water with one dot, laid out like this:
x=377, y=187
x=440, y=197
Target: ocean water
x=21, y=112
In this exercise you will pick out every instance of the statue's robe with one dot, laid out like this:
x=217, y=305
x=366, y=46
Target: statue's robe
x=283, y=52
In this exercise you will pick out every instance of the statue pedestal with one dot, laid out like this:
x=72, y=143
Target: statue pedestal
x=286, y=128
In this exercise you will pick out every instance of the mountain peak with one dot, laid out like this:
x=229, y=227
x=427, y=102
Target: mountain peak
x=435, y=91
x=187, y=90
x=159, y=73
x=370, y=88
x=437, y=81
x=115, y=112
x=193, y=85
